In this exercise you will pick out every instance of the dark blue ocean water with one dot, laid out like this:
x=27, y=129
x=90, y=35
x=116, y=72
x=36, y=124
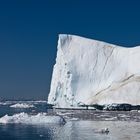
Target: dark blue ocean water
x=73, y=130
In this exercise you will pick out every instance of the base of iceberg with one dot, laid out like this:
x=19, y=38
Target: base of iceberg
x=40, y=118
x=117, y=107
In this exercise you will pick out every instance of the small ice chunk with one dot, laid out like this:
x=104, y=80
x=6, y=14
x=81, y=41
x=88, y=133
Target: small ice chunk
x=40, y=118
x=103, y=131
x=22, y=105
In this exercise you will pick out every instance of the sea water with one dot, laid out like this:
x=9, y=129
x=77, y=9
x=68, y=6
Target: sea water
x=73, y=129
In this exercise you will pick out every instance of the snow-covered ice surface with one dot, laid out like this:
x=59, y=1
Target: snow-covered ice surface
x=94, y=72
x=24, y=118
x=22, y=105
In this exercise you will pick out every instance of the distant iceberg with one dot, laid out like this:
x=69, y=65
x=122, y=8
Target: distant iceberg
x=40, y=118
x=94, y=72
x=22, y=105
x=22, y=102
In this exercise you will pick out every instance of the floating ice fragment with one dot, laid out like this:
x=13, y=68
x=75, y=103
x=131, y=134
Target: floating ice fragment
x=40, y=118
x=22, y=105
x=102, y=131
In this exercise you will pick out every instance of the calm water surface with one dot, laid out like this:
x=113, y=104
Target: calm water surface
x=72, y=130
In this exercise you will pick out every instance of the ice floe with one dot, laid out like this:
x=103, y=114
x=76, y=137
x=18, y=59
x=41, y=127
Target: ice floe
x=24, y=118
x=22, y=105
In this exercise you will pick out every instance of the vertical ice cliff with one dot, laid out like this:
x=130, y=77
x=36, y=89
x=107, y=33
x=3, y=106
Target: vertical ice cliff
x=89, y=72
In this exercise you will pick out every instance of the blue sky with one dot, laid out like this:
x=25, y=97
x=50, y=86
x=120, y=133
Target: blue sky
x=29, y=31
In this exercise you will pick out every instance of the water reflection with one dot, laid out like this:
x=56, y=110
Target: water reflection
x=72, y=130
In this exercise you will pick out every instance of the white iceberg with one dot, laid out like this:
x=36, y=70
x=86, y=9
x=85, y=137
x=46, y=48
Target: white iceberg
x=22, y=105
x=94, y=72
x=40, y=118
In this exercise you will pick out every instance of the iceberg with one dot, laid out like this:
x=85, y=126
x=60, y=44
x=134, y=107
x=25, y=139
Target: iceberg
x=24, y=118
x=91, y=72
x=32, y=102
x=22, y=105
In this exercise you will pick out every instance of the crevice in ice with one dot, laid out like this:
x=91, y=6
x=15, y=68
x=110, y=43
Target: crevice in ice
x=107, y=60
x=117, y=85
x=105, y=65
x=127, y=78
x=102, y=90
x=96, y=61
